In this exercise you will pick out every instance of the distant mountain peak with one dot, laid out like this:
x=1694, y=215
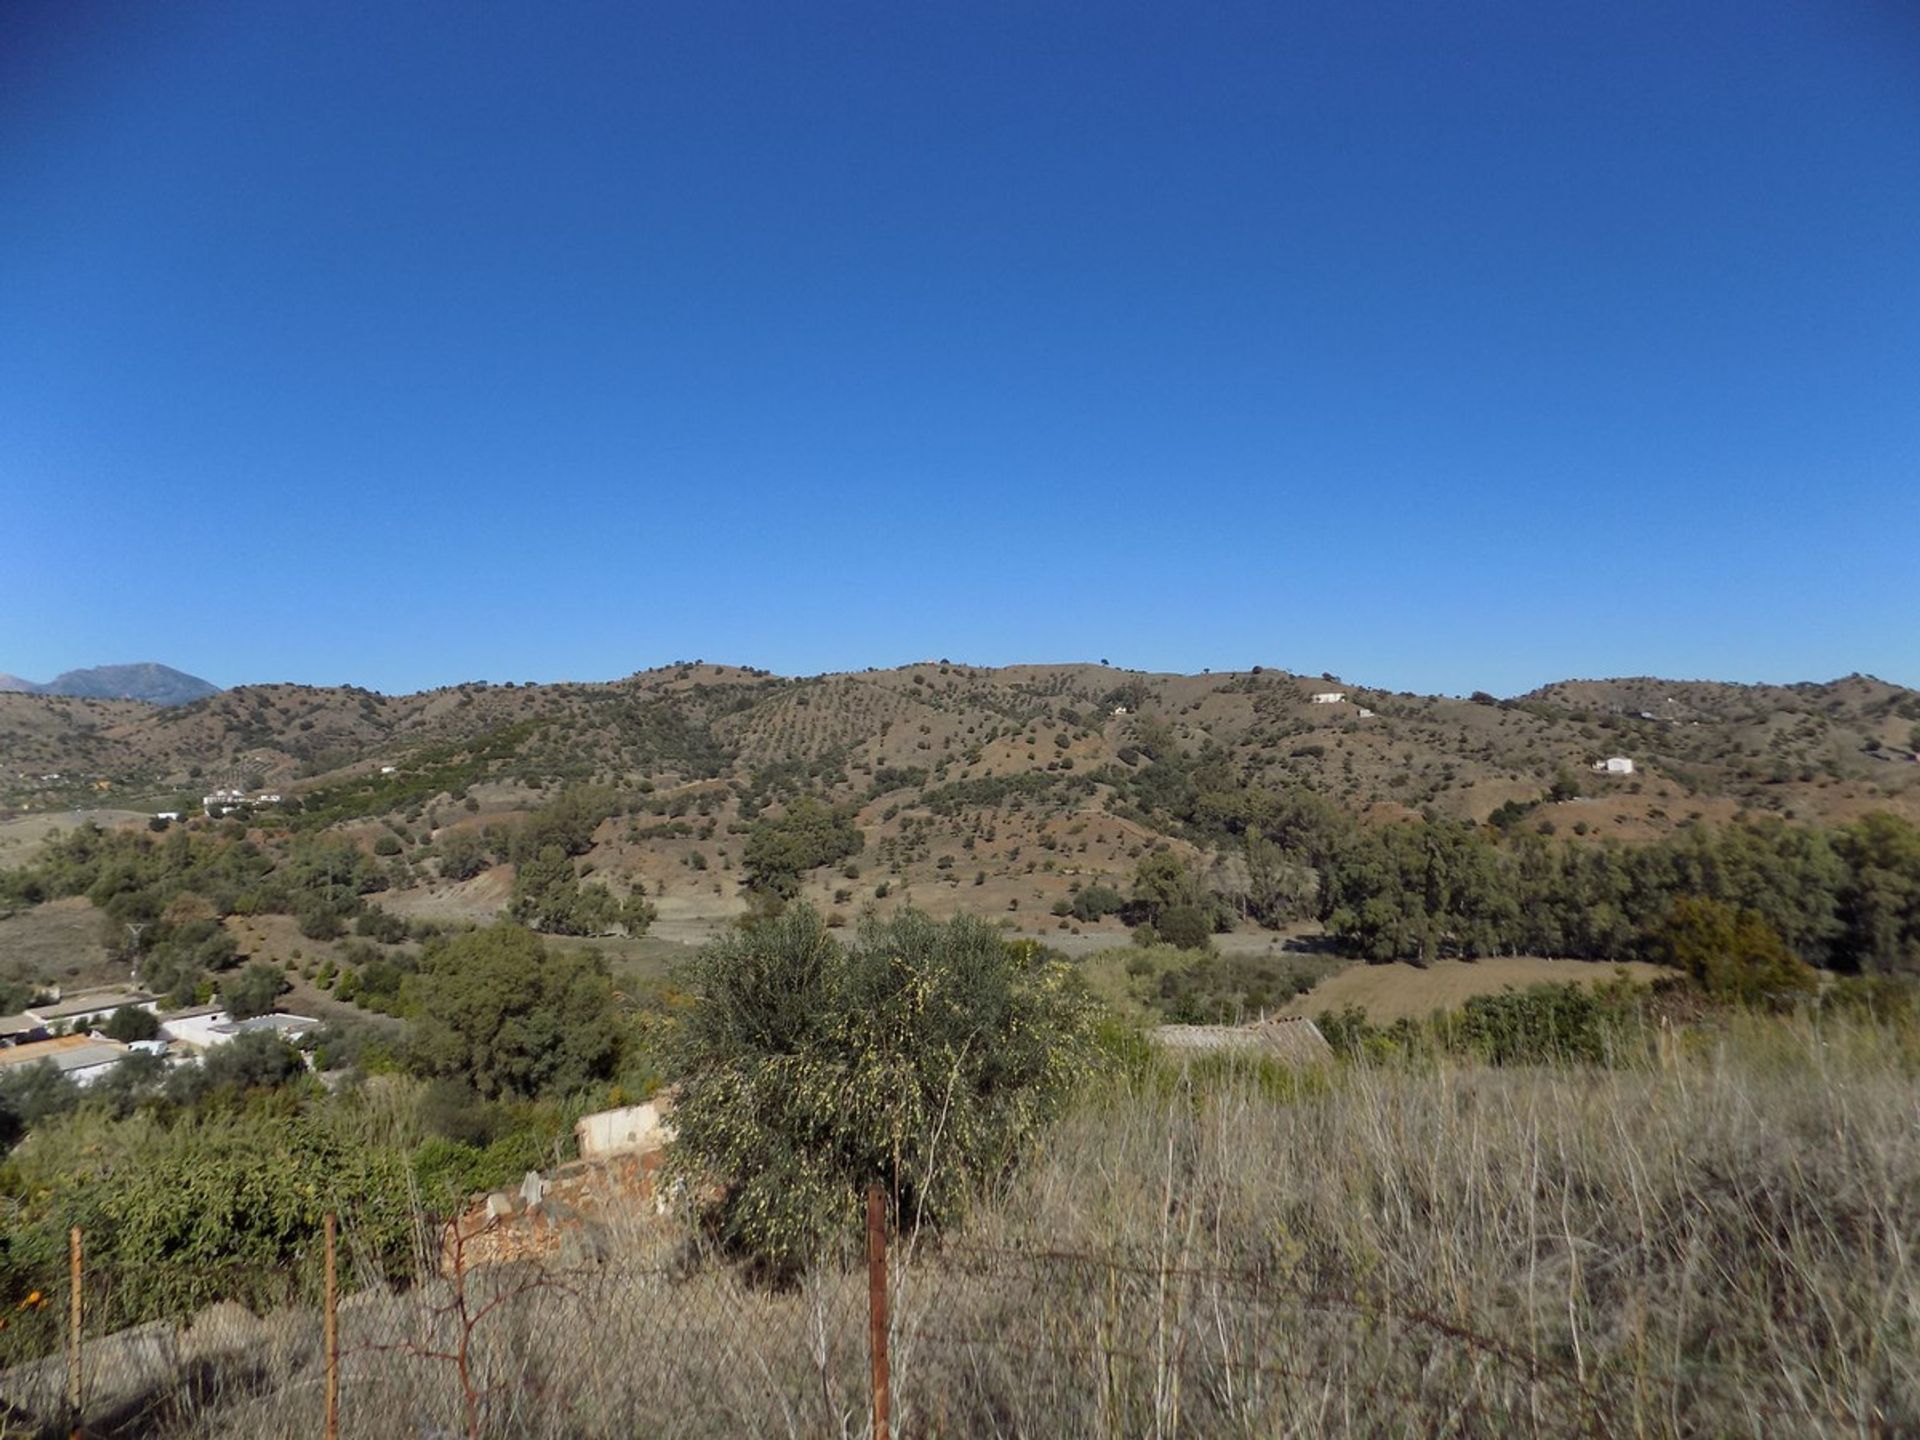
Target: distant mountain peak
x=153, y=683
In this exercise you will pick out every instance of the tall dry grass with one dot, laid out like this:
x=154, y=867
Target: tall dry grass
x=1719, y=1246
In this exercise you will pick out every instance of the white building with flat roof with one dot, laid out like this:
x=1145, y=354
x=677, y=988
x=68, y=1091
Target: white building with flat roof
x=207, y=1027
x=82, y=1059
x=84, y=1009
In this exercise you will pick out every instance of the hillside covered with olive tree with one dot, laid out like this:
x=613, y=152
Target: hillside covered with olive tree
x=1261, y=814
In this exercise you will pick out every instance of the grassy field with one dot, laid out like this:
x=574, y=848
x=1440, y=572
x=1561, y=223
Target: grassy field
x=59, y=944
x=1388, y=992
x=1721, y=1244
x=21, y=836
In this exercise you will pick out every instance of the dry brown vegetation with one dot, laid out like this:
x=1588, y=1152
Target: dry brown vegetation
x=1720, y=1245
x=1388, y=992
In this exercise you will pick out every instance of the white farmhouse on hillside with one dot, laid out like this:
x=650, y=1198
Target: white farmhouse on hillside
x=1329, y=697
x=1614, y=765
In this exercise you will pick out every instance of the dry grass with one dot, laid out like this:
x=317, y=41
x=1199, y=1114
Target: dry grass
x=58, y=943
x=1720, y=1247
x=1388, y=992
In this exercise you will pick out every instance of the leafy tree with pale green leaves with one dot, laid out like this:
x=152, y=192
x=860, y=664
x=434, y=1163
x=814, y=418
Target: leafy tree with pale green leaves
x=924, y=1056
x=548, y=896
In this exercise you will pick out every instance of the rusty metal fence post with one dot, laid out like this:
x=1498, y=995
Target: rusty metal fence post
x=331, y=1337
x=76, y=1390
x=877, y=1310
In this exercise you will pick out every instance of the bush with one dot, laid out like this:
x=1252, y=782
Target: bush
x=1096, y=902
x=1542, y=1023
x=1185, y=926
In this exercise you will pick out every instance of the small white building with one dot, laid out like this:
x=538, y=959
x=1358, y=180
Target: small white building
x=166, y=814
x=1365, y=714
x=1329, y=697
x=1614, y=765
x=84, y=1009
x=82, y=1059
x=207, y=1026
x=388, y=769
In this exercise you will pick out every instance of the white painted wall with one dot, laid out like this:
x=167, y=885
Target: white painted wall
x=634, y=1130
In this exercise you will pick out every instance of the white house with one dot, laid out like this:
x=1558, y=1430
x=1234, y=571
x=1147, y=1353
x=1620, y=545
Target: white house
x=1329, y=697
x=207, y=1026
x=166, y=814
x=388, y=769
x=1365, y=714
x=1614, y=765
x=82, y=1059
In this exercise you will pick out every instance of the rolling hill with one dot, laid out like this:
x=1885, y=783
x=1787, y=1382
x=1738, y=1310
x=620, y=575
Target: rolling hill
x=998, y=788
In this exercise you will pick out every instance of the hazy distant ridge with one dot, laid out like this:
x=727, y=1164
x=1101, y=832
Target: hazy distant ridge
x=156, y=684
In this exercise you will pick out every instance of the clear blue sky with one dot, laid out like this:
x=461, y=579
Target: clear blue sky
x=1441, y=346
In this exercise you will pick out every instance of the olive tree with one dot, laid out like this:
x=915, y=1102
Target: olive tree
x=923, y=1056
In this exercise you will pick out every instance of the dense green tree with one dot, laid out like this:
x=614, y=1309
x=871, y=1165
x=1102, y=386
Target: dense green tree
x=130, y=1023
x=1096, y=902
x=1879, y=900
x=252, y=991
x=497, y=1009
x=32, y=1093
x=463, y=854
x=546, y=891
x=1186, y=927
x=808, y=834
x=1162, y=881
x=254, y=1060
x=1732, y=954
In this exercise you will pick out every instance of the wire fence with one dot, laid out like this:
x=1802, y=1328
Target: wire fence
x=506, y=1331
